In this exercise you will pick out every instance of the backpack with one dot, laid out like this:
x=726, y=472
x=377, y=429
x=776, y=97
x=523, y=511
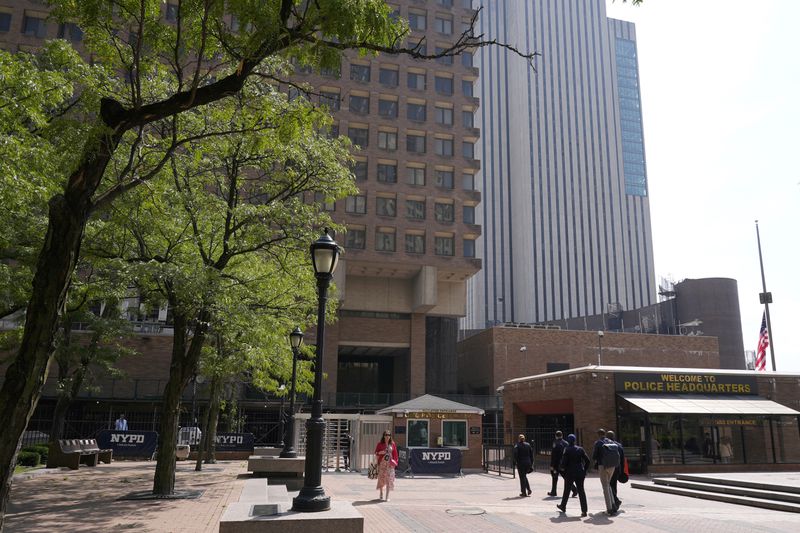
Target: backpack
x=610, y=455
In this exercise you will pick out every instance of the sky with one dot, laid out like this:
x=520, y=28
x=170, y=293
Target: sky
x=720, y=88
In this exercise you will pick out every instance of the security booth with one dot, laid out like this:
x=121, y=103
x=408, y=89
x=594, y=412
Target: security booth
x=671, y=419
x=441, y=436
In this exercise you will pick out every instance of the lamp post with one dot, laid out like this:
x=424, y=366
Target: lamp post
x=295, y=339
x=281, y=414
x=599, y=347
x=312, y=497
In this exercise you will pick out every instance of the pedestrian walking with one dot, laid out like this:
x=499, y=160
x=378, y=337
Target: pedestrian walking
x=574, y=464
x=606, y=458
x=523, y=459
x=617, y=471
x=555, y=461
x=387, y=457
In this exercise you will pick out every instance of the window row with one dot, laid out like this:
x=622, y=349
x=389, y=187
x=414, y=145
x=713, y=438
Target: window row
x=388, y=107
x=387, y=172
x=33, y=26
x=386, y=206
x=415, y=143
x=413, y=242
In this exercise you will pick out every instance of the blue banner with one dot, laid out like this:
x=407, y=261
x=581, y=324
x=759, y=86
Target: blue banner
x=234, y=442
x=435, y=460
x=128, y=443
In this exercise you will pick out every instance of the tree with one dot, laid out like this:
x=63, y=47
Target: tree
x=169, y=70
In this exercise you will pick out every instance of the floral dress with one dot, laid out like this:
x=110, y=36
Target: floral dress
x=387, y=462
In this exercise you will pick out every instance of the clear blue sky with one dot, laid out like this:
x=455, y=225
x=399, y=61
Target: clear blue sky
x=720, y=85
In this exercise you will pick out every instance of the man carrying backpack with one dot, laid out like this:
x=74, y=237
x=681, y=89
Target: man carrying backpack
x=617, y=471
x=606, y=457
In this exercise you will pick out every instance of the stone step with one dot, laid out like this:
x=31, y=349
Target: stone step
x=708, y=486
x=727, y=498
x=245, y=517
x=739, y=483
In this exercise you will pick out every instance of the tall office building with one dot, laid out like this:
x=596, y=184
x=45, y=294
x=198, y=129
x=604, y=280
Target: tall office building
x=565, y=211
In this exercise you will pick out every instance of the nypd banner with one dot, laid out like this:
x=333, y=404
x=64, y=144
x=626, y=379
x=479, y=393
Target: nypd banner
x=435, y=461
x=234, y=442
x=128, y=443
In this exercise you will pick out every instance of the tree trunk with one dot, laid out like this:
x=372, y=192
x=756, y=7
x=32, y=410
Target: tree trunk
x=182, y=368
x=213, y=420
x=27, y=373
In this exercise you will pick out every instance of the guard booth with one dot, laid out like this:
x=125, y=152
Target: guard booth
x=349, y=440
x=442, y=436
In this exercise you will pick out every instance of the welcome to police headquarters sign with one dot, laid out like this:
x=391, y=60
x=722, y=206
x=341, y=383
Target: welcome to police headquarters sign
x=685, y=383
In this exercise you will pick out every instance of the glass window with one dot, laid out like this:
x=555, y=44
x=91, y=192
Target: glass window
x=417, y=21
x=331, y=100
x=332, y=131
x=417, y=80
x=443, y=147
x=443, y=60
x=415, y=143
x=356, y=204
x=359, y=104
x=415, y=209
x=444, y=86
x=388, y=77
x=360, y=169
x=360, y=73
x=444, y=178
x=466, y=59
x=331, y=72
x=415, y=176
x=444, y=115
x=454, y=433
x=34, y=26
x=417, y=434
x=445, y=3
x=5, y=22
x=469, y=214
x=468, y=118
x=70, y=31
x=387, y=173
x=384, y=240
x=172, y=12
x=444, y=246
x=466, y=87
x=319, y=198
x=355, y=238
x=469, y=249
x=359, y=136
x=443, y=25
x=466, y=4
x=468, y=181
x=415, y=244
x=468, y=150
x=387, y=108
x=386, y=207
x=416, y=112
x=387, y=140
x=444, y=212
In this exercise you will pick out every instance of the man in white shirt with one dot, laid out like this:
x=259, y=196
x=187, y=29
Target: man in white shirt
x=121, y=424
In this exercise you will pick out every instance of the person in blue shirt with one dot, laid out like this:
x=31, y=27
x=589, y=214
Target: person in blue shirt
x=121, y=424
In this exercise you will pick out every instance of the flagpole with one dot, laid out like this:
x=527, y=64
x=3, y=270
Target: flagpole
x=766, y=297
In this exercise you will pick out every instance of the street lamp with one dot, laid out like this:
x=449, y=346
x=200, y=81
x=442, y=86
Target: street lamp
x=295, y=339
x=599, y=346
x=312, y=497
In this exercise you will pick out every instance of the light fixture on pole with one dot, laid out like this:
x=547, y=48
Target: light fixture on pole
x=312, y=498
x=295, y=339
x=599, y=347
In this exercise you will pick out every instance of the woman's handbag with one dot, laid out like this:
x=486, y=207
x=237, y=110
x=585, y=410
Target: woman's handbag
x=372, y=471
x=623, y=475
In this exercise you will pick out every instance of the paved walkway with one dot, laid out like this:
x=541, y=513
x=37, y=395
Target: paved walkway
x=87, y=500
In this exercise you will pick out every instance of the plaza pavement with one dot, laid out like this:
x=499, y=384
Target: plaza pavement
x=87, y=500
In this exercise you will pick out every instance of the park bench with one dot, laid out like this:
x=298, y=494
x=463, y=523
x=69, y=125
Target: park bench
x=69, y=453
x=90, y=445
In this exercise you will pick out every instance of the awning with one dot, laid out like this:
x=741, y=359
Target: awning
x=707, y=405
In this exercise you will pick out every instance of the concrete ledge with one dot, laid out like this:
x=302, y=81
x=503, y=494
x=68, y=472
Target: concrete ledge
x=291, y=483
x=275, y=466
x=342, y=518
x=267, y=451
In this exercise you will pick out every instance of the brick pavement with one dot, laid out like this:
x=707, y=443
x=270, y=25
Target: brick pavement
x=86, y=500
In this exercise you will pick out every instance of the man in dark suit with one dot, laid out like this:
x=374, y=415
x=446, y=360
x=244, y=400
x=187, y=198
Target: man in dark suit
x=555, y=461
x=523, y=458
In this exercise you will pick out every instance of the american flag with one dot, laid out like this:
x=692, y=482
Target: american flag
x=763, y=344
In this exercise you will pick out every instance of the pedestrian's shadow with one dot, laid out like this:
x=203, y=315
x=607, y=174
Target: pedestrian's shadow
x=561, y=518
x=367, y=502
x=512, y=498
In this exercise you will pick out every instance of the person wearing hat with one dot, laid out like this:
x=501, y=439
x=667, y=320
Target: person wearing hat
x=574, y=464
x=523, y=458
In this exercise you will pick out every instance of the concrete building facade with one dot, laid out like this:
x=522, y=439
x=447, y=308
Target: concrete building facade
x=565, y=211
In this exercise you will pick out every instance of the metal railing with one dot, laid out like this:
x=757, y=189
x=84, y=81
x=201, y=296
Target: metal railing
x=499, y=459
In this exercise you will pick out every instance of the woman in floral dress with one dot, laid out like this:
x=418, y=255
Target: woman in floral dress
x=386, y=453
